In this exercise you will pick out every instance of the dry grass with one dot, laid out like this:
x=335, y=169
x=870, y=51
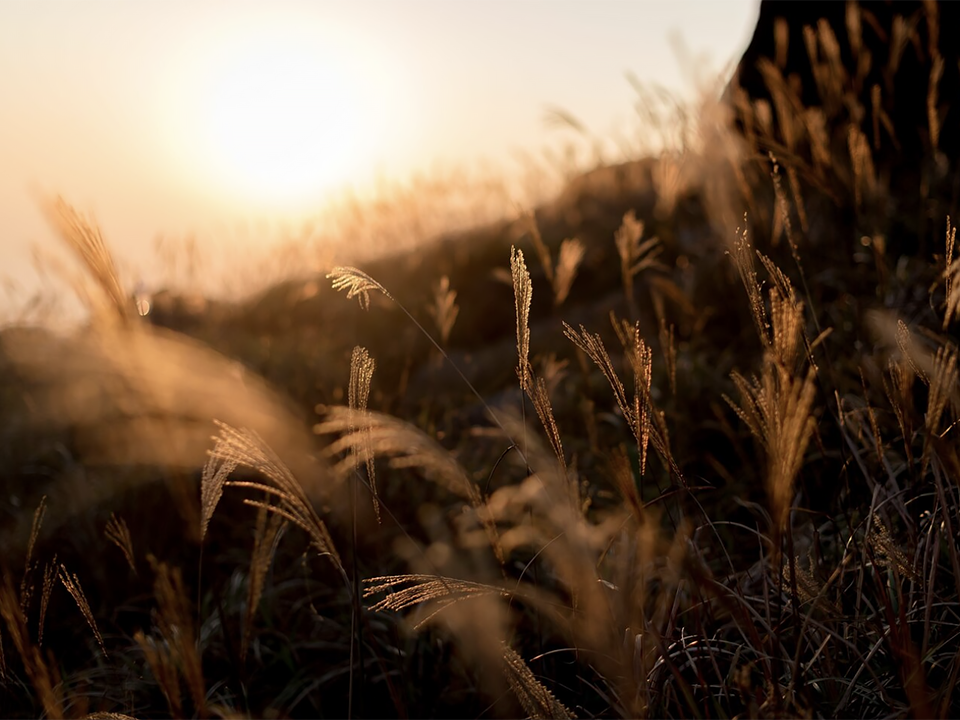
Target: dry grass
x=234, y=448
x=362, y=367
x=570, y=255
x=444, y=309
x=72, y=584
x=118, y=533
x=792, y=554
x=83, y=237
x=626, y=600
x=537, y=701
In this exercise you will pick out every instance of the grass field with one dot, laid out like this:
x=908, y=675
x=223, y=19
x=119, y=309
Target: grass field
x=680, y=442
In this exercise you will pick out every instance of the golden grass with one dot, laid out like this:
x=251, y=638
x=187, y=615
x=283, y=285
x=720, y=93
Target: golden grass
x=50, y=574
x=609, y=582
x=569, y=257
x=444, y=309
x=535, y=388
x=645, y=422
x=537, y=701
x=523, y=296
x=234, y=448
x=162, y=663
x=635, y=256
x=440, y=592
x=951, y=276
x=42, y=677
x=357, y=284
x=118, y=533
x=26, y=585
x=72, y=584
x=82, y=236
x=362, y=367
x=628, y=602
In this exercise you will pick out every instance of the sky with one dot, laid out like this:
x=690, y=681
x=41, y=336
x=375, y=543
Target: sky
x=166, y=118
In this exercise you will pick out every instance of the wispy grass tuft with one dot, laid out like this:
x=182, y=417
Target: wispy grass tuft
x=72, y=584
x=118, y=533
x=26, y=585
x=635, y=256
x=43, y=678
x=362, y=367
x=50, y=573
x=246, y=448
x=951, y=277
x=535, y=388
x=357, y=284
x=776, y=406
x=571, y=254
x=523, y=296
x=440, y=592
x=216, y=472
x=444, y=309
x=82, y=236
x=407, y=447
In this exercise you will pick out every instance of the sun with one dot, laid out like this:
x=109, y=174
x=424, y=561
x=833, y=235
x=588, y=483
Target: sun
x=280, y=121
x=272, y=111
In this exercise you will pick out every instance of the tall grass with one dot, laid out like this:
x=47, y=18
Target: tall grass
x=533, y=577
x=760, y=520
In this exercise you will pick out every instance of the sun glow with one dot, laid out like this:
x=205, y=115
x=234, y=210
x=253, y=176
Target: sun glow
x=282, y=122
x=274, y=118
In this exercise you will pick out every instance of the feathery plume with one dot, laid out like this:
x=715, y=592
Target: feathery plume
x=26, y=587
x=72, y=584
x=635, y=256
x=444, y=309
x=362, y=367
x=572, y=252
x=41, y=677
x=537, y=701
x=49, y=580
x=407, y=447
x=83, y=237
x=245, y=447
x=118, y=533
x=540, y=397
x=951, y=276
x=357, y=284
x=743, y=259
x=160, y=657
x=523, y=295
x=437, y=589
x=216, y=472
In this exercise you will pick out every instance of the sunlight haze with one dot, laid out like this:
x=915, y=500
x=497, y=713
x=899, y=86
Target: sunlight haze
x=163, y=119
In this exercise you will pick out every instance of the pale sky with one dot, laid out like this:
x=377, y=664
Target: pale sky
x=169, y=117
